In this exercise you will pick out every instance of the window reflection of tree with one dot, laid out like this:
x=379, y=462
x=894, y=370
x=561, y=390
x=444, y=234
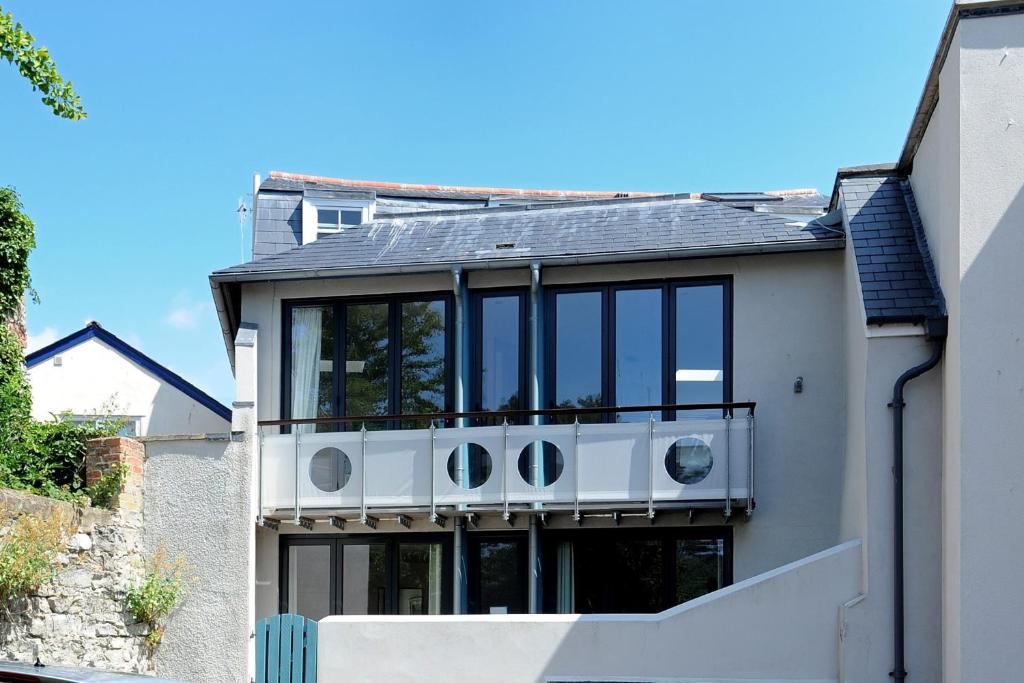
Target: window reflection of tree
x=423, y=356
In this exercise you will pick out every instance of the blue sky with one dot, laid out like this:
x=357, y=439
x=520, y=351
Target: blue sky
x=136, y=205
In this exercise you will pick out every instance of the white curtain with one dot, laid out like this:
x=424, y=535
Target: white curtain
x=566, y=595
x=434, y=580
x=306, y=334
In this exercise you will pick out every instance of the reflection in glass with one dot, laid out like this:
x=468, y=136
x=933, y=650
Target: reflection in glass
x=578, y=352
x=638, y=360
x=363, y=579
x=700, y=347
x=700, y=567
x=312, y=366
x=630, y=577
x=469, y=465
x=309, y=580
x=419, y=578
x=501, y=581
x=366, y=360
x=689, y=460
x=500, y=353
x=540, y=463
x=423, y=358
x=330, y=469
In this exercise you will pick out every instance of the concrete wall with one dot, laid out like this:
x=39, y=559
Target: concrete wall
x=788, y=323
x=95, y=379
x=969, y=179
x=196, y=505
x=777, y=626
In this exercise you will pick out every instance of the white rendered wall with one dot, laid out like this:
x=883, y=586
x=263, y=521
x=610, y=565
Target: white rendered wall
x=780, y=626
x=94, y=378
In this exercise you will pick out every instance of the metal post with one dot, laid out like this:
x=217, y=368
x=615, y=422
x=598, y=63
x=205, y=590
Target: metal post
x=433, y=485
x=362, y=473
x=504, y=467
x=259, y=483
x=576, y=471
x=750, y=464
x=298, y=511
x=650, y=469
x=458, y=578
x=533, y=574
x=728, y=464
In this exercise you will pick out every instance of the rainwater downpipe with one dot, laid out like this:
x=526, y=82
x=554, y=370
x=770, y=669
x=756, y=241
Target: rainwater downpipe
x=460, y=290
x=533, y=540
x=936, y=330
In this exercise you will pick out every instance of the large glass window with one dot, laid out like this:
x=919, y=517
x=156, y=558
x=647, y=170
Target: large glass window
x=699, y=369
x=579, y=351
x=395, y=574
x=500, y=371
x=497, y=574
x=366, y=359
x=423, y=357
x=638, y=342
x=312, y=363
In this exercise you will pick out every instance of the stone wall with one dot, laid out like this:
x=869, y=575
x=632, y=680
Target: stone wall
x=79, y=619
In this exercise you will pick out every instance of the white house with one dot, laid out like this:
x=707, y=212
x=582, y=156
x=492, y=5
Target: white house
x=92, y=373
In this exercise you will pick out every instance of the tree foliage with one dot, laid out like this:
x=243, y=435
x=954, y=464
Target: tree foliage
x=18, y=47
x=17, y=238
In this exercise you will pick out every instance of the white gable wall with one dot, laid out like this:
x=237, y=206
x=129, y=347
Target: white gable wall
x=94, y=378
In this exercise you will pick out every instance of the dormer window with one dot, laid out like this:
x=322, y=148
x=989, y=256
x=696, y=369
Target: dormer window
x=335, y=220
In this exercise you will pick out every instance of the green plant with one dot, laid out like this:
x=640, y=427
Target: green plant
x=36, y=65
x=27, y=552
x=104, y=492
x=161, y=590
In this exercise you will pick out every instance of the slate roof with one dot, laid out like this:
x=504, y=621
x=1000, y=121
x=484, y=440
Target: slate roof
x=633, y=227
x=897, y=276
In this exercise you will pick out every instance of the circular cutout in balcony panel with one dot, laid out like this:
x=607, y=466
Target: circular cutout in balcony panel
x=469, y=465
x=689, y=460
x=540, y=463
x=330, y=469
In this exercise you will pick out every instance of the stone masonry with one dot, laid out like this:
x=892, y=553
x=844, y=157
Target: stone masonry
x=79, y=618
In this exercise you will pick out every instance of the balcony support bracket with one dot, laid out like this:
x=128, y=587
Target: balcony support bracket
x=439, y=520
x=616, y=517
x=268, y=523
x=405, y=520
x=510, y=517
x=337, y=523
x=306, y=523
x=472, y=519
x=369, y=521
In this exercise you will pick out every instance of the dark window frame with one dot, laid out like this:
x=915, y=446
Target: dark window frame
x=477, y=298
x=391, y=558
x=473, y=587
x=339, y=305
x=668, y=287
x=668, y=536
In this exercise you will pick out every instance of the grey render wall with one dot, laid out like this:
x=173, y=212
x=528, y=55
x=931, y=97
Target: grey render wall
x=196, y=504
x=788, y=316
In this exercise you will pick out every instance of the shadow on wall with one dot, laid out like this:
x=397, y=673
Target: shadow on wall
x=174, y=413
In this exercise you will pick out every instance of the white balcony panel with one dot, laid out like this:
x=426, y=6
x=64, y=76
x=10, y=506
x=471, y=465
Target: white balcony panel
x=614, y=462
x=310, y=445
x=398, y=468
x=277, y=471
x=563, y=489
x=447, y=441
x=700, y=434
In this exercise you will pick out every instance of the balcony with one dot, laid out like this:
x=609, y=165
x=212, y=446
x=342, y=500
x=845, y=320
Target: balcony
x=573, y=466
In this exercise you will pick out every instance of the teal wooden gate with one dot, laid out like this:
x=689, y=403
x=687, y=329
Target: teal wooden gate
x=286, y=649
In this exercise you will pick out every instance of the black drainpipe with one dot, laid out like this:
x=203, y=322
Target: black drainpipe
x=937, y=333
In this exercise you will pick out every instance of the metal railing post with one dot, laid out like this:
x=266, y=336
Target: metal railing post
x=504, y=466
x=728, y=464
x=362, y=473
x=576, y=471
x=433, y=483
x=298, y=510
x=650, y=467
x=750, y=465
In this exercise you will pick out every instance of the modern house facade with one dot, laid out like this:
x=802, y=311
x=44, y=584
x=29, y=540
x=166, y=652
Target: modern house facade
x=92, y=373
x=623, y=436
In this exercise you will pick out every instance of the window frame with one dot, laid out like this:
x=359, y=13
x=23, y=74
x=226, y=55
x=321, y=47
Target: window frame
x=391, y=561
x=339, y=305
x=473, y=584
x=668, y=287
x=477, y=298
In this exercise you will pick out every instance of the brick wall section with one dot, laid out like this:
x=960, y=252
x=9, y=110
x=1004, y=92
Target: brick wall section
x=103, y=454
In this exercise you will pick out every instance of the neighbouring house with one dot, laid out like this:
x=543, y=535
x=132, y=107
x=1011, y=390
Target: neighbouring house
x=92, y=373
x=518, y=435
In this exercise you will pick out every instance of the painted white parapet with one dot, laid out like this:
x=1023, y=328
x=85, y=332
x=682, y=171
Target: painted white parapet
x=779, y=626
x=612, y=464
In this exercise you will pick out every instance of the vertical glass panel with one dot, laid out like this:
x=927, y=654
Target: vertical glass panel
x=423, y=357
x=638, y=359
x=363, y=579
x=419, y=578
x=327, y=219
x=578, y=352
x=350, y=217
x=309, y=580
x=565, y=591
x=500, y=353
x=500, y=582
x=700, y=347
x=366, y=359
x=312, y=361
x=618, y=575
x=700, y=567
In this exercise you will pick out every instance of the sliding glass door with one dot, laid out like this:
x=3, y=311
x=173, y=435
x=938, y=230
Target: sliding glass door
x=365, y=574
